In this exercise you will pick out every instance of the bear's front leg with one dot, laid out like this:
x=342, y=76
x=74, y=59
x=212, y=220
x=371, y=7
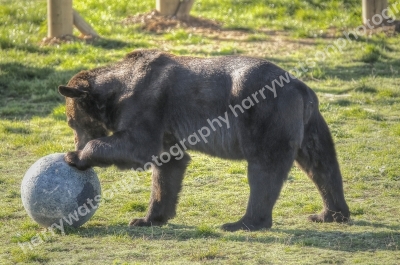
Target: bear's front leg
x=166, y=184
x=120, y=149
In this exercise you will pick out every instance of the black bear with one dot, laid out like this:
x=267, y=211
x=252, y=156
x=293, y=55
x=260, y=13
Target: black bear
x=149, y=108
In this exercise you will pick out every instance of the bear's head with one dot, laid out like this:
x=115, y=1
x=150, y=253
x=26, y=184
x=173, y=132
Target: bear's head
x=82, y=110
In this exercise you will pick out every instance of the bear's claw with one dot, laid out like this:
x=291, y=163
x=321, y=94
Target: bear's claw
x=72, y=158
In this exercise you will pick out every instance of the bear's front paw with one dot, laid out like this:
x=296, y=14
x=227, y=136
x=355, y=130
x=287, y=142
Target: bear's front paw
x=72, y=158
x=144, y=222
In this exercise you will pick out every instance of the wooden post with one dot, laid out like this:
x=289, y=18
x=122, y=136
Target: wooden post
x=184, y=8
x=372, y=12
x=179, y=8
x=167, y=7
x=59, y=18
x=82, y=25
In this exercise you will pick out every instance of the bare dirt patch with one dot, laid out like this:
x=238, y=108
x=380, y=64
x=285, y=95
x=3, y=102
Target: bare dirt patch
x=260, y=42
x=387, y=28
x=154, y=22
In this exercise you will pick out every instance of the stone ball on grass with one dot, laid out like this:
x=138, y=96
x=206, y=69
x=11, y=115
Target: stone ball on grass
x=54, y=192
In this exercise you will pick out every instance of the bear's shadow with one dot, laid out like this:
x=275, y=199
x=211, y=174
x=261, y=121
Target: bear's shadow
x=366, y=240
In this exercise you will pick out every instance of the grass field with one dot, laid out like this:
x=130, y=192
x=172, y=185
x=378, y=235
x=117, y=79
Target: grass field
x=359, y=91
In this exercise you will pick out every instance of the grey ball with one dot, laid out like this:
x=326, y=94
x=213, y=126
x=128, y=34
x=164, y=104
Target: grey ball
x=54, y=192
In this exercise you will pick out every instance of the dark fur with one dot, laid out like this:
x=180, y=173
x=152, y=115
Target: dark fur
x=139, y=107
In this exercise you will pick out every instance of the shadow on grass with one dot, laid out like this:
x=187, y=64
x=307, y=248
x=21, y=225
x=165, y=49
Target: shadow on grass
x=382, y=67
x=7, y=43
x=109, y=44
x=170, y=231
x=27, y=91
x=378, y=225
x=368, y=240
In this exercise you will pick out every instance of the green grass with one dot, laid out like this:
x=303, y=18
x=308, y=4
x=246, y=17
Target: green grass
x=359, y=92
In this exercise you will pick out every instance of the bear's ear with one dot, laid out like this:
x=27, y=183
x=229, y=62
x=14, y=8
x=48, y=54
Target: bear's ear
x=71, y=92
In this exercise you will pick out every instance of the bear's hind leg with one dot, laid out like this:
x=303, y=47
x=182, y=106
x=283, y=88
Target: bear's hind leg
x=265, y=180
x=166, y=184
x=317, y=158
